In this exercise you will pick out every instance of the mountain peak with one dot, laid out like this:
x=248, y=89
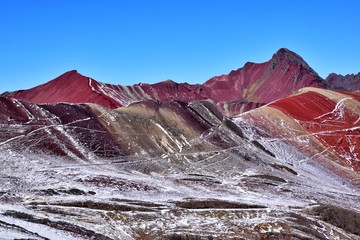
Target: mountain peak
x=69, y=75
x=71, y=72
x=286, y=54
x=349, y=82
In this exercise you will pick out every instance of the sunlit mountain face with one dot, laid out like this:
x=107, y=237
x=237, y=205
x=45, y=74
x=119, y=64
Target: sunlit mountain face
x=269, y=151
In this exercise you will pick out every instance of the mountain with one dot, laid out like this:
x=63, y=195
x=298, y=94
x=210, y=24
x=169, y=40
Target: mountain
x=326, y=122
x=269, y=151
x=285, y=73
x=72, y=87
x=90, y=131
x=244, y=89
x=349, y=82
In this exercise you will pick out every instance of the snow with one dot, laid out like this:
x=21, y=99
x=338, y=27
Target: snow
x=182, y=174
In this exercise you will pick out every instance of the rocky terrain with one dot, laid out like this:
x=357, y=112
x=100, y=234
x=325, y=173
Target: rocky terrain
x=269, y=151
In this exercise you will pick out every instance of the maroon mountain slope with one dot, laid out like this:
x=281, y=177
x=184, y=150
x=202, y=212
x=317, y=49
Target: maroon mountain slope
x=256, y=84
x=72, y=87
x=285, y=73
x=241, y=90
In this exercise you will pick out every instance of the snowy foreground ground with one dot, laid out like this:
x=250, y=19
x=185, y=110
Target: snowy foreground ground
x=205, y=195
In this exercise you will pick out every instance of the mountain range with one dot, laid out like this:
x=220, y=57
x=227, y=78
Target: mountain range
x=241, y=90
x=269, y=151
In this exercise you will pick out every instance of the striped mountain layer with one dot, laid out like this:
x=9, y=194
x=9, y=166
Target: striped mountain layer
x=323, y=123
x=331, y=118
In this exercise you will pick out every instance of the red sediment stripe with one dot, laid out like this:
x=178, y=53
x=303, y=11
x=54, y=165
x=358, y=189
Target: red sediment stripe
x=332, y=123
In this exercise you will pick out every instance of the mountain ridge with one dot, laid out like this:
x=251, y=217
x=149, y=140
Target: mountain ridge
x=348, y=82
x=246, y=88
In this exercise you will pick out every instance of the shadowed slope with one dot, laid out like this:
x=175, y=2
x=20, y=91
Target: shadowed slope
x=91, y=131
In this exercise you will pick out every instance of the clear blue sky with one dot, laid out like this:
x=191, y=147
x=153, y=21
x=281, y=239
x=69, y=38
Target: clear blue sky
x=132, y=41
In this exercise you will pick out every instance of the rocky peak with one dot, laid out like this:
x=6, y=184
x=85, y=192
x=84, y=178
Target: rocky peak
x=284, y=54
x=333, y=76
x=349, y=82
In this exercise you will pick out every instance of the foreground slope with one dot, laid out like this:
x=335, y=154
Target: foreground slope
x=168, y=171
x=90, y=131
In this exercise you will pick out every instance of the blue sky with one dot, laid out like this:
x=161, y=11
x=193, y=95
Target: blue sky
x=132, y=41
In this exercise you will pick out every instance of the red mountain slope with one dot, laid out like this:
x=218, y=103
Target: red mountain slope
x=320, y=122
x=70, y=87
x=285, y=73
